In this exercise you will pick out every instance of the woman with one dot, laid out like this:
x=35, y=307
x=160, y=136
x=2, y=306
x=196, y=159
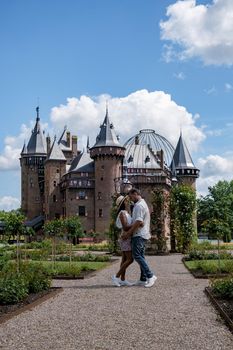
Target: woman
x=123, y=222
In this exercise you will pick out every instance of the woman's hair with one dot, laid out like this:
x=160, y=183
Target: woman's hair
x=122, y=207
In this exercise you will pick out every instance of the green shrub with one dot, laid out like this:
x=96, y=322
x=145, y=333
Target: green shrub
x=223, y=287
x=13, y=288
x=227, y=266
x=84, y=257
x=37, y=278
x=5, y=257
x=64, y=269
x=202, y=255
x=208, y=267
x=45, y=244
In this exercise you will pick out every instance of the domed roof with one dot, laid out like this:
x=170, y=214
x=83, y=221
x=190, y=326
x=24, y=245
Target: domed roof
x=142, y=149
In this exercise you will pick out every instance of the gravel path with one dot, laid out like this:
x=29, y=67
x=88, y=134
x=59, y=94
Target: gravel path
x=93, y=314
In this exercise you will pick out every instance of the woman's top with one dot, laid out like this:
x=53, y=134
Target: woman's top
x=128, y=219
x=125, y=244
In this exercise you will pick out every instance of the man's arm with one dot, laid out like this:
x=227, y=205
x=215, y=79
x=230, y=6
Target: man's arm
x=139, y=218
x=132, y=229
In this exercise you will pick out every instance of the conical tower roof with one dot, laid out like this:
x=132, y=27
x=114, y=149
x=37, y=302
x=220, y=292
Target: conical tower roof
x=24, y=149
x=182, y=158
x=56, y=152
x=107, y=135
x=37, y=143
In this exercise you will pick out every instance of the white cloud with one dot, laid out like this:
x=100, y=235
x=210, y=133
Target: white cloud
x=215, y=132
x=228, y=87
x=203, y=31
x=9, y=157
x=211, y=91
x=8, y=203
x=139, y=110
x=180, y=76
x=214, y=168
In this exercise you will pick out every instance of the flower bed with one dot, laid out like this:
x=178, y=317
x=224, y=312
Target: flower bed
x=221, y=295
x=209, y=268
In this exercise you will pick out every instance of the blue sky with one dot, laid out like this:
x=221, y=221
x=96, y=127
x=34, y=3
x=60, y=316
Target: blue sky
x=54, y=50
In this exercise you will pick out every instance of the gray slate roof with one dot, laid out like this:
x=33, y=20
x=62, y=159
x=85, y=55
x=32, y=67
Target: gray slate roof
x=140, y=156
x=182, y=158
x=56, y=152
x=63, y=141
x=24, y=149
x=82, y=163
x=37, y=142
x=107, y=135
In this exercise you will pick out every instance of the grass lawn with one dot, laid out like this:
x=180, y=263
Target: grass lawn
x=210, y=266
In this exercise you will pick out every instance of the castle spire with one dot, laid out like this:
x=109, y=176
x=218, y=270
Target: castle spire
x=88, y=144
x=37, y=113
x=37, y=142
x=182, y=163
x=107, y=135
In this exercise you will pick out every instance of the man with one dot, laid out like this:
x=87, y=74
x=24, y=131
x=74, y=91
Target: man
x=140, y=234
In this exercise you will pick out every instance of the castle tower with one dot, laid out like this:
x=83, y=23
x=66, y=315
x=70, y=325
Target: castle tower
x=32, y=172
x=182, y=165
x=108, y=157
x=55, y=168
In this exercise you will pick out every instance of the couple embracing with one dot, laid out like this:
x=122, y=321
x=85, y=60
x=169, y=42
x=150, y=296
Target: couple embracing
x=135, y=231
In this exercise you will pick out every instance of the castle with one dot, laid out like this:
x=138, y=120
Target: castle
x=57, y=180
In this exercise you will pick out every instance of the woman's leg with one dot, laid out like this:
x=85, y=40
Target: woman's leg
x=123, y=260
x=128, y=261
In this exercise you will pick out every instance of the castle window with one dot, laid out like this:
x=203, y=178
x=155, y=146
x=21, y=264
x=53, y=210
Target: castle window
x=99, y=196
x=102, y=166
x=101, y=178
x=37, y=199
x=100, y=213
x=81, y=210
x=81, y=195
x=54, y=183
x=54, y=198
x=58, y=171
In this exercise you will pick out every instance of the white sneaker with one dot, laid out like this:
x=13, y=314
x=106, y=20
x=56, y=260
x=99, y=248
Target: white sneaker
x=126, y=283
x=140, y=283
x=116, y=281
x=151, y=281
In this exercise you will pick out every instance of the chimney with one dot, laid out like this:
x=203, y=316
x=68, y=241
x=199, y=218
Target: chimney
x=68, y=138
x=74, y=145
x=48, y=142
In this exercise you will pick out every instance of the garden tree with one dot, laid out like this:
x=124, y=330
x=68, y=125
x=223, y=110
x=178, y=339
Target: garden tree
x=54, y=228
x=218, y=230
x=28, y=232
x=14, y=225
x=160, y=205
x=74, y=230
x=114, y=232
x=217, y=205
x=183, y=206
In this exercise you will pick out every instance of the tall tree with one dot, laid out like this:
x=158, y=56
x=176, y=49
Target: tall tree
x=215, y=211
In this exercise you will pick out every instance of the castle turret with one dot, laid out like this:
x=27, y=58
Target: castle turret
x=55, y=168
x=32, y=172
x=182, y=165
x=108, y=157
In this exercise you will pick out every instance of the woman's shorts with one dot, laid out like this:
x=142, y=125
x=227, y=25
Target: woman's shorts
x=125, y=244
